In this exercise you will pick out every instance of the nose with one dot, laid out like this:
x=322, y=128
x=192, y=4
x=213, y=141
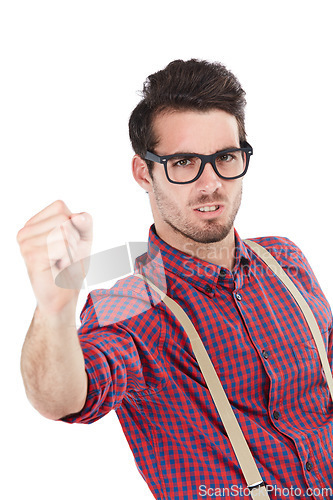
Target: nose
x=209, y=181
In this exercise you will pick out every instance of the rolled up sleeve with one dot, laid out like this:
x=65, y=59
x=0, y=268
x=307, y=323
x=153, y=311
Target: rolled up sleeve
x=112, y=363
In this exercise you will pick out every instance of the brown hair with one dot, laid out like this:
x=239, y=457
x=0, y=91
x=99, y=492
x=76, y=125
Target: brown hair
x=185, y=85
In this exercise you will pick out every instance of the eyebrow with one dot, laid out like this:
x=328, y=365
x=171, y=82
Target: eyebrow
x=177, y=153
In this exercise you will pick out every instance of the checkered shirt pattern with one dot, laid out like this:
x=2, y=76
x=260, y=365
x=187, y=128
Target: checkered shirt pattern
x=140, y=363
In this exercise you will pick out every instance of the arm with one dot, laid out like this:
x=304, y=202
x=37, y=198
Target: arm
x=52, y=365
x=52, y=362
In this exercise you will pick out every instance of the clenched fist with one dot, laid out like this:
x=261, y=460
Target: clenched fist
x=55, y=245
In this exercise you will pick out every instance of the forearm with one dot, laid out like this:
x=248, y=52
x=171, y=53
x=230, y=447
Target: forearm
x=52, y=365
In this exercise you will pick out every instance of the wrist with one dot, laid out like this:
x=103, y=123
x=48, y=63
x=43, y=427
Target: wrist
x=56, y=317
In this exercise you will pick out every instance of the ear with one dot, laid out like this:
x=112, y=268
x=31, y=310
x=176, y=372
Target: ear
x=141, y=173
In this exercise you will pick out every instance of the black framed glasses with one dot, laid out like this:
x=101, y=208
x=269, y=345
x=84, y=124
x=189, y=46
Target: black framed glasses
x=183, y=168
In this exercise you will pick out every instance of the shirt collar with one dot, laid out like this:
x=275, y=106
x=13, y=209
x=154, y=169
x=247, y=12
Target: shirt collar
x=162, y=259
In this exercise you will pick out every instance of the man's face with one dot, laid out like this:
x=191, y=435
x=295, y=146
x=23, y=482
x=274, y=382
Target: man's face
x=175, y=207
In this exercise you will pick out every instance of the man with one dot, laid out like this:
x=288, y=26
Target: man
x=131, y=354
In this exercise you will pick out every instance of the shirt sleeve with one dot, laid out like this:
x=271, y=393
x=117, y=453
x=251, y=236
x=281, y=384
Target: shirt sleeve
x=112, y=362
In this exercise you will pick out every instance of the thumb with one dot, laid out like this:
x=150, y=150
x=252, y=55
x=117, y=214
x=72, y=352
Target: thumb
x=83, y=223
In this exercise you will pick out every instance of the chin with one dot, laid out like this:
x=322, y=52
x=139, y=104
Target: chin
x=209, y=238
x=206, y=236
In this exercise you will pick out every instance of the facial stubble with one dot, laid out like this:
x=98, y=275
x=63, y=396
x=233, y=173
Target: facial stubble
x=210, y=230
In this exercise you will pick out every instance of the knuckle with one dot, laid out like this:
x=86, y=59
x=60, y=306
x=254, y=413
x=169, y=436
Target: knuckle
x=88, y=217
x=19, y=236
x=22, y=234
x=60, y=206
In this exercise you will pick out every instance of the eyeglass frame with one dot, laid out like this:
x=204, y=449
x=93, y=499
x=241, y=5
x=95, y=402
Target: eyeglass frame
x=163, y=160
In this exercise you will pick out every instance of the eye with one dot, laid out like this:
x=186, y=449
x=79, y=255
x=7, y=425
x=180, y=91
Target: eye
x=227, y=157
x=182, y=161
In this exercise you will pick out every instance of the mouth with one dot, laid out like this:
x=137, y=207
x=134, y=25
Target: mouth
x=209, y=210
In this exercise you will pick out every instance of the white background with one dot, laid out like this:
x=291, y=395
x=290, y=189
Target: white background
x=70, y=72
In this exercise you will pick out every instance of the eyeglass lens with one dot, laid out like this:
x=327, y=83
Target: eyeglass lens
x=186, y=168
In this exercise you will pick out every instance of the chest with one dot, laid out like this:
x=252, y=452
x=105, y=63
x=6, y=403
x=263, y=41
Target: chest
x=256, y=337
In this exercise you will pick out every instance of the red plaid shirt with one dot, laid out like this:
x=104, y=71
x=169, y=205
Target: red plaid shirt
x=141, y=364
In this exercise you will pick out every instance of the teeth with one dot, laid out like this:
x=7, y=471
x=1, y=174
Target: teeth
x=208, y=209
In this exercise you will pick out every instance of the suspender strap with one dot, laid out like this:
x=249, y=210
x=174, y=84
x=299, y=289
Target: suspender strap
x=244, y=456
x=308, y=314
x=246, y=461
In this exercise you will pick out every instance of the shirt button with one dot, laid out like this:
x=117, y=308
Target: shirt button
x=238, y=296
x=265, y=354
x=208, y=289
x=223, y=273
x=308, y=466
x=276, y=415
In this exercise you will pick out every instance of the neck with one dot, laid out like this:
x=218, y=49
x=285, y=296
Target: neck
x=221, y=253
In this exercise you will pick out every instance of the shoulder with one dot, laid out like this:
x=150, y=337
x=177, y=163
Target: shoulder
x=292, y=260
x=282, y=248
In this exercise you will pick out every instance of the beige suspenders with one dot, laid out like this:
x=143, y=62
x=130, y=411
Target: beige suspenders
x=244, y=456
x=308, y=314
